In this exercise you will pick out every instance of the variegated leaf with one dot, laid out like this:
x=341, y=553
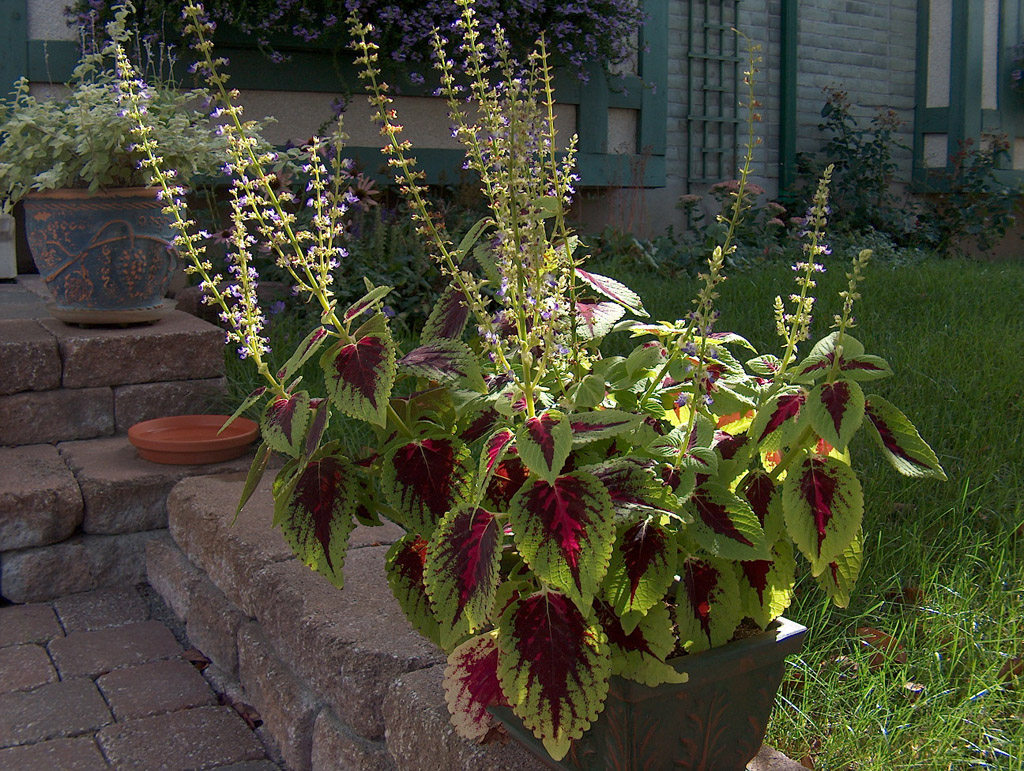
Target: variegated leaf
x=450, y=361
x=836, y=411
x=425, y=479
x=462, y=571
x=508, y=478
x=641, y=568
x=544, y=442
x=597, y=319
x=306, y=349
x=447, y=318
x=614, y=291
x=554, y=666
x=708, y=607
x=823, y=505
x=359, y=375
x=366, y=302
x=902, y=445
x=255, y=475
x=640, y=654
x=765, y=499
x=767, y=585
x=284, y=421
x=564, y=532
x=725, y=525
x=316, y=511
x=496, y=446
x=636, y=489
x=471, y=686
x=602, y=424
x=775, y=413
x=405, y=565
x=840, y=575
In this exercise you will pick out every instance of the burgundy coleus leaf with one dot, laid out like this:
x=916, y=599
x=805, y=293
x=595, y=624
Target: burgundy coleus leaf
x=836, y=411
x=640, y=653
x=554, y=665
x=471, y=686
x=708, y=606
x=564, y=532
x=597, y=319
x=840, y=575
x=424, y=479
x=366, y=302
x=613, y=290
x=482, y=422
x=766, y=586
x=765, y=498
x=405, y=567
x=448, y=317
x=823, y=504
x=602, y=424
x=725, y=525
x=508, y=478
x=462, y=571
x=495, y=448
x=902, y=445
x=284, y=422
x=446, y=360
x=306, y=349
x=315, y=509
x=544, y=442
x=321, y=417
x=775, y=412
x=641, y=568
x=359, y=375
x=636, y=487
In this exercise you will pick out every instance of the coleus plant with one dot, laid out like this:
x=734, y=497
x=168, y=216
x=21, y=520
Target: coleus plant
x=568, y=516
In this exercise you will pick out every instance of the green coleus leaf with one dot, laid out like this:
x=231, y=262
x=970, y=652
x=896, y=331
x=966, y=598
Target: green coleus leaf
x=544, y=442
x=840, y=575
x=366, y=302
x=823, y=505
x=601, y=424
x=766, y=365
x=640, y=654
x=255, y=475
x=641, y=568
x=766, y=586
x=902, y=445
x=725, y=525
x=590, y=392
x=284, y=421
x=564, y=531
x=405, y=566
x=426, y=478
x=708, y=606
x=836, y=411
x=644, y=357
x=314, y=340
x=471, y=686
x=248, y=402
x=554, y=666
x=315, y=511
x=446, y=360
x=359, y=375
x=448, y=317
x=828, y=344
x=462, y=571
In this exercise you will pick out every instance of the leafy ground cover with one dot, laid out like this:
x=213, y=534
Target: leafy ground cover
x=925, y=669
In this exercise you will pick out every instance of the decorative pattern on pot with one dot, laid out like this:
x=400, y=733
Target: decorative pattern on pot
x=103, y=251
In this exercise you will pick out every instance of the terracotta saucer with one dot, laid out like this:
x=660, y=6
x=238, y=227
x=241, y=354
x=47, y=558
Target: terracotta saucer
x=185, y=440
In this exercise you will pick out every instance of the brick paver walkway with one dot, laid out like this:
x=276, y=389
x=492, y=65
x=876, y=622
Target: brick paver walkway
x=98, y=680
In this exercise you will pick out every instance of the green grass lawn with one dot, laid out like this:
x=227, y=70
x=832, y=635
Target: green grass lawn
x=944, y=562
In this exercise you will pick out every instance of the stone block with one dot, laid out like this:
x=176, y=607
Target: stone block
x=80, y=564
x=39, y=499
x=178, y=347
x=147, y=401
x=40, y=417
x=121, y=492
x=93, y=653
x=20, y=624
x=23, y=667
x=335, y=746
x=67, y=708
x=89, y=611
x=79, y=754
x=420, y=735
x=204, y=737
x=770, y=759
x=349, y=645
x=212, y=626
x=171, y=575
x=286, y=706
x=29, y=357
x=155, y=688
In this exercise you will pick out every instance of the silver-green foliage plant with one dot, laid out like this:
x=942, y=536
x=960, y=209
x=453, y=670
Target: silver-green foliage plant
x=82, y=137
x=568, y=516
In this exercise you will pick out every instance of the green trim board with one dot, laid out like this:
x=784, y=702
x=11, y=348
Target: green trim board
x=13, y=34
x=787, y=95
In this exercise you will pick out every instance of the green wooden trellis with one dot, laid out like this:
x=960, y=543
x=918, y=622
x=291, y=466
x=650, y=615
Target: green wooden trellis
x=713, y=75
